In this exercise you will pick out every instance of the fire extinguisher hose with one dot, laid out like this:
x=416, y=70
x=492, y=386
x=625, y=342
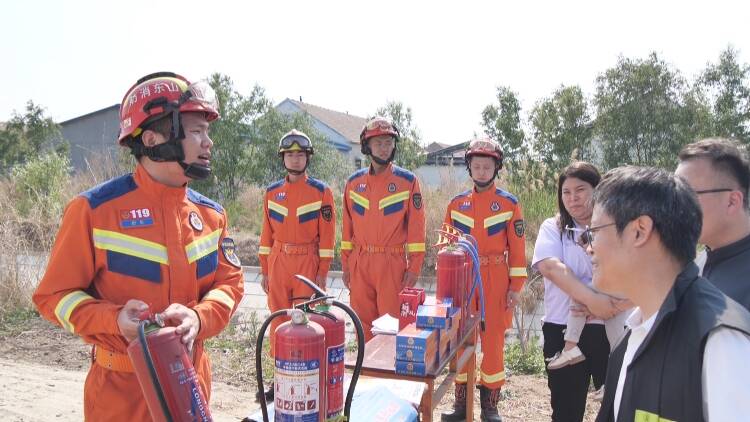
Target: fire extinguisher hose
x=471, y=249
x=360, y=355
x=152, y=370
x=258, y=359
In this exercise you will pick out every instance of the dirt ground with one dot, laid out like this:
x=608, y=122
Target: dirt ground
x=42, y=370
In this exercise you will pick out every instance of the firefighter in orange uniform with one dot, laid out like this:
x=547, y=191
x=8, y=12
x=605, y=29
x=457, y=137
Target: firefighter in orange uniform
x=144, y=241
x=383, y=239
x=493, y=216
x=299, y=230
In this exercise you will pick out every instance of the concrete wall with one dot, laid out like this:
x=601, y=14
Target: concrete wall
x=92, y=137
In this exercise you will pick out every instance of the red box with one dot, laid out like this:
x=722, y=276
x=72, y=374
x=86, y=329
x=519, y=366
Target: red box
x=410, y=298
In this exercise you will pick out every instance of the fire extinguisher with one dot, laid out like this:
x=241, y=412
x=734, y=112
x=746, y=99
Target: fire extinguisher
x=308, y=370
x=166, y=374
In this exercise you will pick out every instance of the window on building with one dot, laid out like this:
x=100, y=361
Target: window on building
x=358, y=163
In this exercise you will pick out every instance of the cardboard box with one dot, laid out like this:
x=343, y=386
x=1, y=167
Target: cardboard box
x=416, y=344
x=418, y=369
x=434, y=316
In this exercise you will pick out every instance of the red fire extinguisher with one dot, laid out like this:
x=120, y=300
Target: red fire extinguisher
x=452, y=279
x=309, y=359
x=166, y=374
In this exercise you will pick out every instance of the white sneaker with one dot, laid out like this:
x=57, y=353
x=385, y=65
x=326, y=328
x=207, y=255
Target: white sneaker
x=565, y=358
x=598, y=395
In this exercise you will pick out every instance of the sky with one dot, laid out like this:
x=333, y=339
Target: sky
x=442, y=59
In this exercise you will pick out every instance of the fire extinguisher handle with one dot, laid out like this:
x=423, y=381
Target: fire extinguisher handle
x=319, y=293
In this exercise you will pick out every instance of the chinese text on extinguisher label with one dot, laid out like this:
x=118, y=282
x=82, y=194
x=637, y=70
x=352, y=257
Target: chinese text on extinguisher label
x=297, y=394
x=335, y=381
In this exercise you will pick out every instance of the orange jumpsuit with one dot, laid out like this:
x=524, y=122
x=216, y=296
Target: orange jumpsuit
x=495, y=219
x=134, y=238
x=383, y=223
x=298, y=234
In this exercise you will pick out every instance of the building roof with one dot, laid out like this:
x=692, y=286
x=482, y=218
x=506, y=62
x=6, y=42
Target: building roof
x=115, y=107
x=436, y=146
x=348, y=125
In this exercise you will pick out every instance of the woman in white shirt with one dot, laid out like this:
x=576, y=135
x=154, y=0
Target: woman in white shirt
x=566, y=267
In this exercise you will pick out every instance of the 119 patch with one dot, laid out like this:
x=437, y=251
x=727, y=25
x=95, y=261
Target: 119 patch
x=138, y=217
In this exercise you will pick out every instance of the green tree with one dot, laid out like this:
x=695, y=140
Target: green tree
x=640, y=113
x=29, y=134
x=727, y=84
x=502, y=123
x=562, y=128
x=410, y=154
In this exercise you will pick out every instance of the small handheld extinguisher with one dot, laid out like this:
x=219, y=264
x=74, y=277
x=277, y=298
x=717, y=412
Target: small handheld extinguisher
x=166, y=373
x=300, y=369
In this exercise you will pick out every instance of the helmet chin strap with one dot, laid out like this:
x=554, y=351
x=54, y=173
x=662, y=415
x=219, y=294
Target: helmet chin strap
x=484, y=184
x=195, y=171
x=379, y=160
x=296, y=172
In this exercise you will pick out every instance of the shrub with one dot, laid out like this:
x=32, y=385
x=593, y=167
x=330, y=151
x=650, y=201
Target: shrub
x=530, y=362
x=40, y=185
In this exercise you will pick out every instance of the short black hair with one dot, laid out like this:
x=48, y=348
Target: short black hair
x=580, y=170
x=726, y=156
x=161, y=125
x=626, y=193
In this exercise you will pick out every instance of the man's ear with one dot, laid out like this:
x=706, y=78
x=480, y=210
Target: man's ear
x=736, y=202
x=149, y=138
x=642, y=229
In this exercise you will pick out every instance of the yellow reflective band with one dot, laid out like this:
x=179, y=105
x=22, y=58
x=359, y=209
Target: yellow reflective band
x=221, y=297
x=415, y=247
x=346, y=245
x=264, y=250
x=499, y=218
x=203, y=246
x=643, y=416
x=326, y=253
x=359, y=199
x=491, y=379
x=518, y=272
x=313, y=206
x=462, y=377
x=392, y=199
x=129, y=245
x=65, y=308
x=462, y=218
x=278, y=208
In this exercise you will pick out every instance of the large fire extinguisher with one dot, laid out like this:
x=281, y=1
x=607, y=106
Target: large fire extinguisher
x=309, y=360
x=166, y=374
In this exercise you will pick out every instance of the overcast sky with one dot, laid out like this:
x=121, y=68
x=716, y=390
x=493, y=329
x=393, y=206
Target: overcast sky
x=443, y=59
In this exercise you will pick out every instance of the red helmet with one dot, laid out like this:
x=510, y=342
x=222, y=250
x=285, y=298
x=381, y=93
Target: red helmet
x=378, y=126
x=486, y=147
x=156, y=95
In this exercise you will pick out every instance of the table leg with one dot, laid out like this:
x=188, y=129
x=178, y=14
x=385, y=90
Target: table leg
x=426, y=406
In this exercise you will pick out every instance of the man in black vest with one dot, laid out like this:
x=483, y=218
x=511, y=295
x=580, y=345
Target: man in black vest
x=685, y=355
x=717, y=169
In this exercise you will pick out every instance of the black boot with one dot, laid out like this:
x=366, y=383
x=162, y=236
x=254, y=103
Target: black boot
x=459, y=406
x=489, y=399
x=268, y=394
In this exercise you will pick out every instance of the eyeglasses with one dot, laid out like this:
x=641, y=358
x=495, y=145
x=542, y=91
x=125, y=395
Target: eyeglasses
x=699, y=192
x=587, y=235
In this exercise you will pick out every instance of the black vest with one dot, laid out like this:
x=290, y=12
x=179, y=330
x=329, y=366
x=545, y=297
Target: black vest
x=665, y=377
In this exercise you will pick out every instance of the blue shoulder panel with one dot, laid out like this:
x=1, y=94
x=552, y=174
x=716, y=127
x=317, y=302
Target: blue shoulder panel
x=274, y=185
x=110, y=190
x=461, y=195
x=507, y=195
x=317, y=184
x=406, y=174
x=199, y=199
x=358, y=173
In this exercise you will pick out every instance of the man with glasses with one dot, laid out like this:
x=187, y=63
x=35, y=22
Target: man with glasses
x=298, y=233
x=684, y=356
x=144, y=242
x=383, y=238
x=718, y=171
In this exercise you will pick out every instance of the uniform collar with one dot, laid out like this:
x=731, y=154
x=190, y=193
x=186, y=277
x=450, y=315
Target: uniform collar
x=388, y=170
x=154, y=188
x=715, y=256
x=301, y=180
x=490, y=189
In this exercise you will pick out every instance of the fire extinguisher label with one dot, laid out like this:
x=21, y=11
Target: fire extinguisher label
x=297, y=384
x=335, y=381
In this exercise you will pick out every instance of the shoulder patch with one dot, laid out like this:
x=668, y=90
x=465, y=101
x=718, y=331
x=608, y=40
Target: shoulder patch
x=403, y=173
x=110, y=190
x=199, y=199
x=357, y=174
x=317, y=184
x=507, y=195
x=461, y=195
x=274, y=185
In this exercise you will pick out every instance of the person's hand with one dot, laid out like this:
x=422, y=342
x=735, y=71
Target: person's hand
x=603, y=306
x=186, y=321
x=512, y=299
x=321, y=281
x=409, y=280
x=127, y=319
x=264, y=283
x=345, y=279
x=580, y=310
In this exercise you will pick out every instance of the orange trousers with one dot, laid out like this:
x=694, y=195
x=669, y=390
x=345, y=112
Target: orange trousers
x=375, y=282
x=110, y=395
x=497, y=319
x=284, y=290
